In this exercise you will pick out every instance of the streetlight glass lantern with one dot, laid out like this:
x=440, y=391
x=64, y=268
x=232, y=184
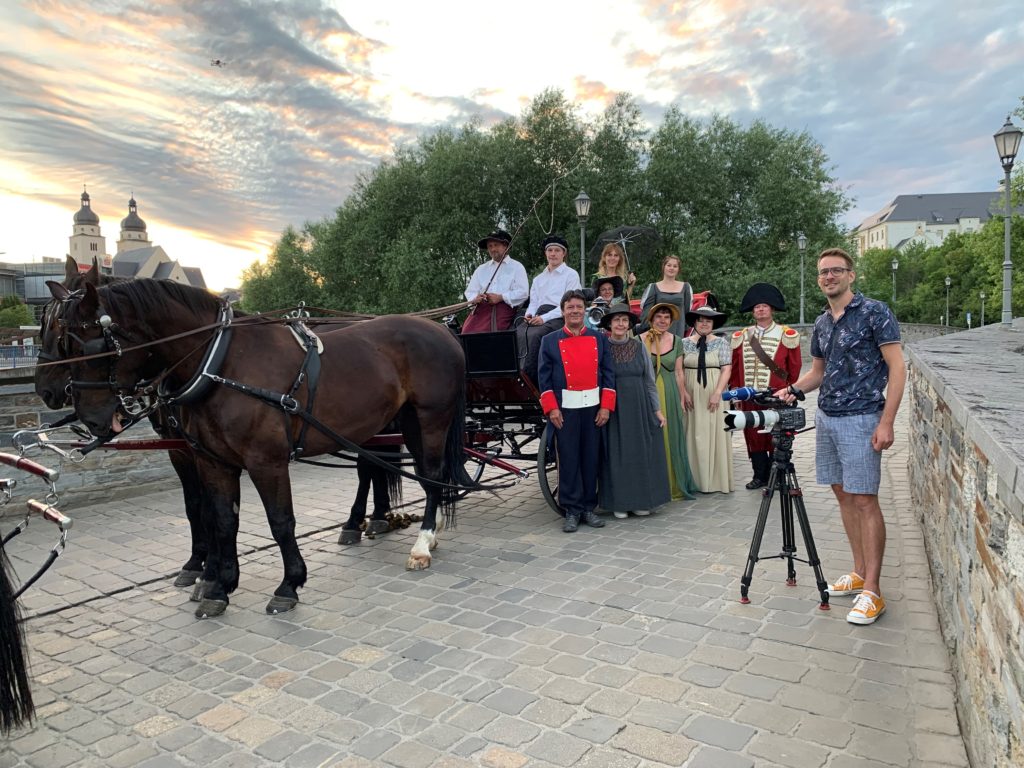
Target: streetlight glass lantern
x=582, y=203
x=895, y=264
x=949, y=281
x=801, y=241
x=1007, y=141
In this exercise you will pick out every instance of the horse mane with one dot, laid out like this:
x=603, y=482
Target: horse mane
x=146, y=298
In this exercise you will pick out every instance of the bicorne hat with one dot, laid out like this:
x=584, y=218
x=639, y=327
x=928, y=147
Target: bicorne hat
x=555, y=240
x=763, y=293
x=615, y=280
x=498, y=235
x=620, y=308
x=717, y=318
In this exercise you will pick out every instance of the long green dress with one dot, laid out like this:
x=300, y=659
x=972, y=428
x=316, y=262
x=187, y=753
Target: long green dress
x=680, y=478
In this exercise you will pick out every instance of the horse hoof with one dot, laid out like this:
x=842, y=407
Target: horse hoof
x=187, y=578
x=199, y=590
x=279, y=604
x=209, y=608
x=377, y=526
x=417, y=563
x=350, y=537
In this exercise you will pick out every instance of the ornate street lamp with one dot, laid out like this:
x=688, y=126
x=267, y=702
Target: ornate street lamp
x=801, y=243
x=949, y=282
x=1007, y=143
x=582, y=203
x=981, y=296
x=895, y=266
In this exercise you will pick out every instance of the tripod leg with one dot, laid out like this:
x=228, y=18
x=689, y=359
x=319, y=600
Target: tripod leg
x=755, y=542
x=812, y=550
x=788, y=534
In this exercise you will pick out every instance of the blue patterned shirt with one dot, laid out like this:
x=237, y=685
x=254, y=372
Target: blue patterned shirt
x=855, y=371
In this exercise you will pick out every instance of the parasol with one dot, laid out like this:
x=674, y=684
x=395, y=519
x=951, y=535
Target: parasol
x=639, y=243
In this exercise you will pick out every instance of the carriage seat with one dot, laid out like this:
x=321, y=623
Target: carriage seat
x=492, y=368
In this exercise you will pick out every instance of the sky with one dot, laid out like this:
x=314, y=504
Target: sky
x=121, y=96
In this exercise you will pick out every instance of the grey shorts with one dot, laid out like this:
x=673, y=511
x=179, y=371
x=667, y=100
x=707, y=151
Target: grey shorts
x=844, y=454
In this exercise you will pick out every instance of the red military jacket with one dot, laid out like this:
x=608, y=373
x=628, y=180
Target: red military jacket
x=578, y=363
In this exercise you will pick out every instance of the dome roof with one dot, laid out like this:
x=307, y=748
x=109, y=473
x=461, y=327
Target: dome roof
x=133, y=221
x=85, y=214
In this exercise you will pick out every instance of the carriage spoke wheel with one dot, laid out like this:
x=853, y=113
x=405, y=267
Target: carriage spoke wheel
x=547, y=470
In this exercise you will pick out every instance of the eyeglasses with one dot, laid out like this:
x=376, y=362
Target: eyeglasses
x=834, y=271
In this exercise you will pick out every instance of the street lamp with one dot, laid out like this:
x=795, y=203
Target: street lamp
x=582, y=203
x=1007, y=142
x=895, y=266
x=981, y=296
x=949, y=281
x=801, y=243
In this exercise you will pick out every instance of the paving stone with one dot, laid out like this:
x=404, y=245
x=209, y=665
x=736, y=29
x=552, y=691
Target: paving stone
x=557, y=748
x=596, y=729
x=709, y=757
x=652, y=744
x=718, y=733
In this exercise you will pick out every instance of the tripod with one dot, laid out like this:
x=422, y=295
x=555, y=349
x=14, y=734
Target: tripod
x=783, y=479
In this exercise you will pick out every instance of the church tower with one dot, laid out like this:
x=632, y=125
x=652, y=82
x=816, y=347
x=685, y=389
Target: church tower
x=133, y=230
x=86, y=242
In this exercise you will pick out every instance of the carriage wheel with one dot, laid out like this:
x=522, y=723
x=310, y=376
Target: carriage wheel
x=475, y=474
x=547, y=470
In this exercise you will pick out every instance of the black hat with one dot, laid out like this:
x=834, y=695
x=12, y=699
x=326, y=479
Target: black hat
x=717, y=318
x=498, y=235
x=555, y=240
x=615, y=280
x=763, y=293
x=620, y=308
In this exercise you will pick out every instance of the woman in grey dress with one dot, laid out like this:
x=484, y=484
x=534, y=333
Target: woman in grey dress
x=634, y=474
x=669, y=290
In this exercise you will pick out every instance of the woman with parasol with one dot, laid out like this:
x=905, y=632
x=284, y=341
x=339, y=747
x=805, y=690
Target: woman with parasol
x=613, y=264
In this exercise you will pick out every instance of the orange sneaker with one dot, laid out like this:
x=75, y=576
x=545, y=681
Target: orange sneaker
x=850, y=584
x=866, y=608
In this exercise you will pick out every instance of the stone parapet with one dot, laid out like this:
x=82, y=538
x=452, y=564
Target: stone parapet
x=967, y=483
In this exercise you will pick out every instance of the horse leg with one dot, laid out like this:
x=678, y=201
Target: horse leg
x=275, y=489
x=192, y=490
x=426, y=441
x=351, y=529
x=220, y=517
x=387, y=489
x=207, y=531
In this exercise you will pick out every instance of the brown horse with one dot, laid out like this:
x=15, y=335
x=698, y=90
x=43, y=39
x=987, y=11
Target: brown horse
x=16, y=706
x=372, y=372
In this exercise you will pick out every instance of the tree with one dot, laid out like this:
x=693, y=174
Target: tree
x=726, y=198
x=14, y=313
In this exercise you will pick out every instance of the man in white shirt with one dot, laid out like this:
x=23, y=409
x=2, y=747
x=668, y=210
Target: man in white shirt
x=544, y=313
x=497, y=287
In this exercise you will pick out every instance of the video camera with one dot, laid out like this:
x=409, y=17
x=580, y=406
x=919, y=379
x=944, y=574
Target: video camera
x=775, y=413
x=596, y=311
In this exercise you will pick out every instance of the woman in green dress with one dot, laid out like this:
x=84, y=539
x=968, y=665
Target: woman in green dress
x=666, y=352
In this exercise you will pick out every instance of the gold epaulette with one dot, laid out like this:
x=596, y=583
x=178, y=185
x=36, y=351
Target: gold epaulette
x=737, y=339
x=790, y=337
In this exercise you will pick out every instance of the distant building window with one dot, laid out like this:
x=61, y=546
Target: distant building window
x=93, y=247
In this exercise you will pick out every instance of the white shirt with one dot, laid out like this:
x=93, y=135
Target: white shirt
x=510, y=281
x=549, y=287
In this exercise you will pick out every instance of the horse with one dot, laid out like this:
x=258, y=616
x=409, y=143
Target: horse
x=16, y=707
x=391, y=367
x=52, y=384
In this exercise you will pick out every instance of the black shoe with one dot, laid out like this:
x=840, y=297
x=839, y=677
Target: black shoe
x=756, y=483
x=572, y=522
x=590, y=518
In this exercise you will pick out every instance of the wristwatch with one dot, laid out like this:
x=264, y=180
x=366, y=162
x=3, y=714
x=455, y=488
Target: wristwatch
x=794, y=391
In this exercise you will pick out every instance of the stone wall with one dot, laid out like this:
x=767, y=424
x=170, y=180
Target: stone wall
x=967, y=481
x=102, y=475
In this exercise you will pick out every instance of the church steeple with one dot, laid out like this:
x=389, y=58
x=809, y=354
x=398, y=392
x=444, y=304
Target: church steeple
x=86, y=242
x=133, y=229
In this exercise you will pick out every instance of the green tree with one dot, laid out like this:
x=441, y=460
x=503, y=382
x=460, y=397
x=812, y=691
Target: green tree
x=14, y=312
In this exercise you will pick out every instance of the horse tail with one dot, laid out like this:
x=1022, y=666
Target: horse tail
x=455, y=473
x=16, y=706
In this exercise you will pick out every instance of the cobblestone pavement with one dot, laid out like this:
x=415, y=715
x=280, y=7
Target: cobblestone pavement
x=521, y=645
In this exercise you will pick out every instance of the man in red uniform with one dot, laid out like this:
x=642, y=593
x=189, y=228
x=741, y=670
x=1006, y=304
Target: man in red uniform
x=765, y=355
x=577, y=383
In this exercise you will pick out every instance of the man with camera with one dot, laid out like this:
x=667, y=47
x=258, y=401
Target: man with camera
x=857, y=361
x=765, y=355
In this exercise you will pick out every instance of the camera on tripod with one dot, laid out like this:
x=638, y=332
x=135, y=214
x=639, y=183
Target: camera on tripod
x=775, y=413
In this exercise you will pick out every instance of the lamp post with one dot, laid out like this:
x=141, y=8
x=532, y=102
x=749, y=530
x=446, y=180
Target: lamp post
x=801, y=243
x=1007, y=142
x=949, y=282
x=895, y=266
x=582, y=203
x=981, y=296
